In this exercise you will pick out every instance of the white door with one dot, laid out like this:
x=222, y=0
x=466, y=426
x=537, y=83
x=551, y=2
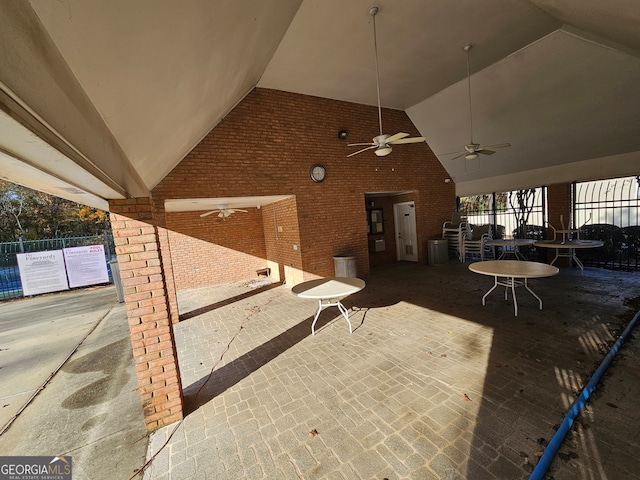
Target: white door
x=404, y=215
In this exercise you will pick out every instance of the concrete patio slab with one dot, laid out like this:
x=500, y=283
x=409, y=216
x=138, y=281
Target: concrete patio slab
x=430, y=385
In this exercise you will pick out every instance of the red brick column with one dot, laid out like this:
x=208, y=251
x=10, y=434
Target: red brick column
x=147, y=303
x=165, y=257
x=559, y=203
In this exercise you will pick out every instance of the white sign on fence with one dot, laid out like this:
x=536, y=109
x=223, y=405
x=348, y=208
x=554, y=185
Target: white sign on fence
x=86, y=265
x=42, y=272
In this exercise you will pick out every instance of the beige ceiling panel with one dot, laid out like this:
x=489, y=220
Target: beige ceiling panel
x=163, y=73
x=561, y=100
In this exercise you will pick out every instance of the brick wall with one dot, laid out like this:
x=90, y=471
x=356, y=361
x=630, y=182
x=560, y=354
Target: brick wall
x=213, y=250
x=281, y=234
x=558, y=203
x=267, y=145
x=147, y=304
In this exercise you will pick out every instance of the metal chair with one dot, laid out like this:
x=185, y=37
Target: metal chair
x=477, y=244
x=456, y=231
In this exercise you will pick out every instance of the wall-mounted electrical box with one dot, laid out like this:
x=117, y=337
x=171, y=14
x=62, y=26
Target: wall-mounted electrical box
x=377, y=245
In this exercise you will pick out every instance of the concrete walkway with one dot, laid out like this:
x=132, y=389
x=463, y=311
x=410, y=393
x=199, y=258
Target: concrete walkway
x=431, y=384
x=90, y=409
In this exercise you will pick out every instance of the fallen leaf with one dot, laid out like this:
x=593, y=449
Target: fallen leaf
x=313, y=432
x=443, y=355
x=465, y=397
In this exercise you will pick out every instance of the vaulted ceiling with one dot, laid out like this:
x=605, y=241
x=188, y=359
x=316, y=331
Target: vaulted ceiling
x=100, y=99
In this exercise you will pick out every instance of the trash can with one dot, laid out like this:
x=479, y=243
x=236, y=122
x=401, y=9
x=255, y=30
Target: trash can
x=438, y=251
x=117, y=281
x=345, y=265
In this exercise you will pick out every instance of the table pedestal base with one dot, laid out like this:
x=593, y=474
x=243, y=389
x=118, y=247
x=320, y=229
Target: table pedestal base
x=334, y=302
x=511, y=283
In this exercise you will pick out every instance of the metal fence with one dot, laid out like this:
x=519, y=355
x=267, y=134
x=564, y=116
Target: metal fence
x=515, y=214
x=605, y=210
x=10, y=284
x=609, y=210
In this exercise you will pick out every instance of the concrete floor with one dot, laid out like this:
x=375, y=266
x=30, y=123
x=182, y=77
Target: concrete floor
x=430, y=385
x=90, y=408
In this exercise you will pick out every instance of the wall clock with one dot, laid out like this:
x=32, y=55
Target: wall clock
x=318, y=173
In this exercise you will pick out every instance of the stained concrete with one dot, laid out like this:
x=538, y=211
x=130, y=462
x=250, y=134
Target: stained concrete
x=430, y=385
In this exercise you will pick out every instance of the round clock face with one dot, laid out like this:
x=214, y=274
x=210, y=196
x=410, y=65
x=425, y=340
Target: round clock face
x=318, y=173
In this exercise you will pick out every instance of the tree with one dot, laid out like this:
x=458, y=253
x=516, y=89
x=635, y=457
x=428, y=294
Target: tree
x=522, y=203
x=35, y=215
x=12, y=202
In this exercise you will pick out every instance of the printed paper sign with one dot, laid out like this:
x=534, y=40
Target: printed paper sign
x=86, y=265
x=42, y=272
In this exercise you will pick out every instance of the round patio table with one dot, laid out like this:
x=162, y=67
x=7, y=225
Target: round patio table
x=513, y=243
x=329, y=292
x=568, y=248
x=511, y=274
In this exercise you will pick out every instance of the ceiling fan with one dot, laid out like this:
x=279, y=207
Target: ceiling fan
x=383, y=142
x=222, y=211
x=472, y=150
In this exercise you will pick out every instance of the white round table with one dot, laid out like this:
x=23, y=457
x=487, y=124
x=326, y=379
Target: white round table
x=568, y=248
x=329, y=292
x=514, y=243
x=511, y=274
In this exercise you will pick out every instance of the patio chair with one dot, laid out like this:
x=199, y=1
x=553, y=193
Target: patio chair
x=455, y=231
x=476, y=246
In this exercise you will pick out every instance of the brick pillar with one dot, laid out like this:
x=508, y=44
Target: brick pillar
x=147, y=302
x=559, y=203
x=165, y=257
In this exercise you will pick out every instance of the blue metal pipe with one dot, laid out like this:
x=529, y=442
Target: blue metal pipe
x=555, y=443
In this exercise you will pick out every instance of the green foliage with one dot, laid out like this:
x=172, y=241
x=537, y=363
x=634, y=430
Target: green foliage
x=37, y=215
x=480, y=204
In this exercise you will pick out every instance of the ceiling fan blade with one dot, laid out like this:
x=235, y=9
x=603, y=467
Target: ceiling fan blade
x=408, y=140
x=457, y=152
x=499, y=145
x=359, y=144
x=234, y=210
x=484, y=151
x=360, y=151
x=461, y=155
x=208, y=213
x=395, y=137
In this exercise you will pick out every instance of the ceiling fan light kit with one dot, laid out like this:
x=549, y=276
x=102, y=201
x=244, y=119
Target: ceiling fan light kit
x=383, y=151
x=382, y=143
